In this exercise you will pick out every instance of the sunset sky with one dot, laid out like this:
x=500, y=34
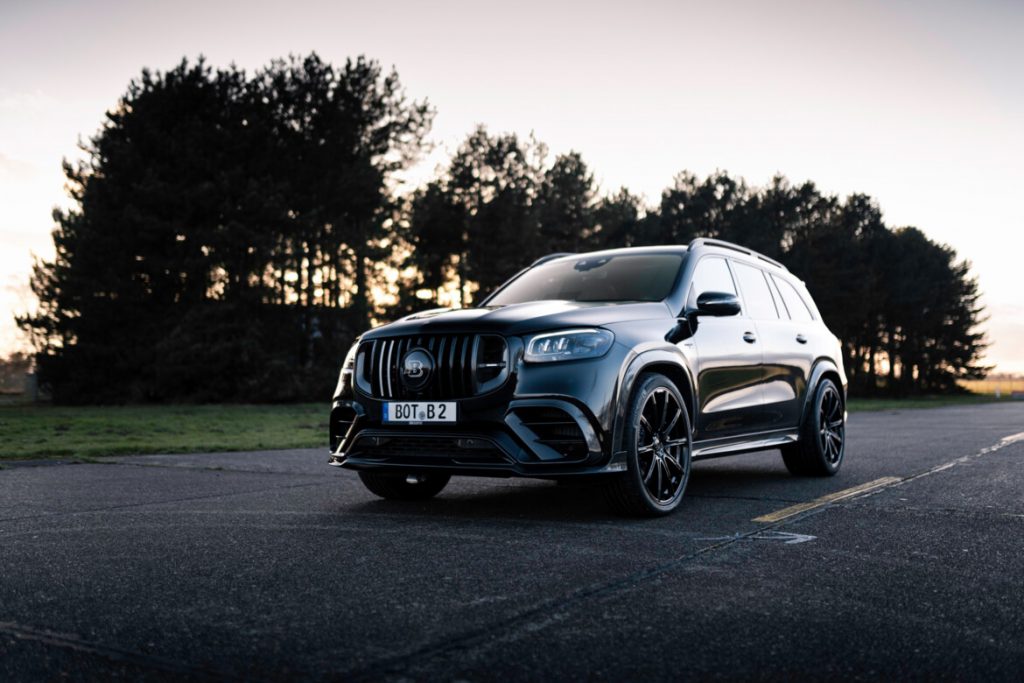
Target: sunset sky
x=920, y=105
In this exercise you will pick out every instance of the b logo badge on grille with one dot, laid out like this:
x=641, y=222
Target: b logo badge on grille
x=416, y=368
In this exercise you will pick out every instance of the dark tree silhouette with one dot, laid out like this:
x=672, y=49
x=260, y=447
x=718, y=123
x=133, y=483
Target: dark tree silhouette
x=691, y=208
x=617, y=220
x=223, y=226
x=231, y=235
x=435, y=234
x=565, y=205
x=489, y=190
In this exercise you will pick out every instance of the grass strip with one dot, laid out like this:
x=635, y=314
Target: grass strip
x=43, y=431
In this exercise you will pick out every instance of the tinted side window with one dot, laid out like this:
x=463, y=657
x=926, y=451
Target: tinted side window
x=794, y=302
x=757, y=298
x=711, y=275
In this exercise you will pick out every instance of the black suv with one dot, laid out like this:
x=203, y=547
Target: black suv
x=623, y=364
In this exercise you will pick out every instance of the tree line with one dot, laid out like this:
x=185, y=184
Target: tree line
x=232, y=233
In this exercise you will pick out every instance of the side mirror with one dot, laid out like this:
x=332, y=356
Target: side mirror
x=717, y=304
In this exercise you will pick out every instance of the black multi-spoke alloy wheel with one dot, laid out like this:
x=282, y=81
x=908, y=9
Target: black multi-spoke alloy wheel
x=405, y=486
x=823, y=435
x=657, y=440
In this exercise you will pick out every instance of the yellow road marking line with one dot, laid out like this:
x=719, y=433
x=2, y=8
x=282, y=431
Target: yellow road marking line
x=825, y=500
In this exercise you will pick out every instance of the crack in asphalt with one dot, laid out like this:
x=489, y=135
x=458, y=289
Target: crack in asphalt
x=522, y=620
x=532, y=618
x=112, y=653
x=975, y=513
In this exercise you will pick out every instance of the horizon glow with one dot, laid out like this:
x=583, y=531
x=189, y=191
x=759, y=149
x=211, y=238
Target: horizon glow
x=915, y=104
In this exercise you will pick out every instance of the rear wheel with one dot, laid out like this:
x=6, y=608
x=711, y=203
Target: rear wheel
x=658, y=451
x=822, y=444
x=404, y=486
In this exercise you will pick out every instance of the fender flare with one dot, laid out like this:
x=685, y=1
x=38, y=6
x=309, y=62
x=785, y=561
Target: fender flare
x=821, y=366
x=631, y=370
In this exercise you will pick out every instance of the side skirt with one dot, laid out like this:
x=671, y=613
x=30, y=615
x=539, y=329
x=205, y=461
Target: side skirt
x=703, y=450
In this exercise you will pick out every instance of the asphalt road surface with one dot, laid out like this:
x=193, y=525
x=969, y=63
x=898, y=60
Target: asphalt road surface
x=275, y=566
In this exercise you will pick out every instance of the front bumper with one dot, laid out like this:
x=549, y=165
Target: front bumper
x=539, y=436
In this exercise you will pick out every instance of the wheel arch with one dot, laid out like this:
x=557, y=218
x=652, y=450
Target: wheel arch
x=667, y=362
x=823, y=368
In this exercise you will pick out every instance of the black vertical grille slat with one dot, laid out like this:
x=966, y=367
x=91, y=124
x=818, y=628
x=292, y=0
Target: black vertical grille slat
x=394, y=357
x=464, y=367
x=393, y=364
x=457, y=366
x=431, y=391
x=385, y=359
x=454, y=376
x=389, y=369
x=396, y=360
x=375, y=368
x=382, y=356
x=370, y=368
x=460, y=387
x=452, y=367
x=442, y=372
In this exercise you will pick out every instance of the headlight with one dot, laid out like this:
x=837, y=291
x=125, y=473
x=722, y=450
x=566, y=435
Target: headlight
x=568, y=345
x=347, y=370
x=350, y=357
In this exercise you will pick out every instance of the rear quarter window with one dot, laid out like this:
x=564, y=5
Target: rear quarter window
x=798, y=308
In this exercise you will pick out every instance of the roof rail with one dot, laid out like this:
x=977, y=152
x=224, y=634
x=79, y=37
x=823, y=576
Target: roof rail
x=709, y=242
x=551, y=257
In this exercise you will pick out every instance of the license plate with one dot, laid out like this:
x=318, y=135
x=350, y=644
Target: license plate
x=419, y=411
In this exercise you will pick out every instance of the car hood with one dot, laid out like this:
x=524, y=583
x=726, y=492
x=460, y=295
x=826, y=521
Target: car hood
x=518, y=319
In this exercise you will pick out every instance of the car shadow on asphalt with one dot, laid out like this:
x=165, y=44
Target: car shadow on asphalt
x=582, y=500
x=723, y=479
x=534, y=500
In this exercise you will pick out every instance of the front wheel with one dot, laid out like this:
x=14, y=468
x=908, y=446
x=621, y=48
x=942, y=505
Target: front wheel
x=822, y=444
x=403, y=486
x=658, y=451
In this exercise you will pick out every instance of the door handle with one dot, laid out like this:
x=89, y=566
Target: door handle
x=749, y=337
x=801, y=338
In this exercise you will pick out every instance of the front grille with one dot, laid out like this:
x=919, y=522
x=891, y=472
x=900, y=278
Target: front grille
x=555, y=429
x=464, y=365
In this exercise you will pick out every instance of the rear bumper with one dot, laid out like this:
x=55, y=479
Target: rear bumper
x=540, y=436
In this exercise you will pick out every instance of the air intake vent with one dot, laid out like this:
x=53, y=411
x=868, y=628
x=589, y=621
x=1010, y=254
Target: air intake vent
x=449, y=366
x=342, y=419
x=555, y=429
x=413, y=449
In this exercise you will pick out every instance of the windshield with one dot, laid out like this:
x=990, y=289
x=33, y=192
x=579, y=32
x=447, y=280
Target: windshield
x=623, y=277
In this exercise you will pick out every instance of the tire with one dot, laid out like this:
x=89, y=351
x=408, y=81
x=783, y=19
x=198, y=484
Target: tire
x=404, y=486
x=822, y=444
x=658, y=451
